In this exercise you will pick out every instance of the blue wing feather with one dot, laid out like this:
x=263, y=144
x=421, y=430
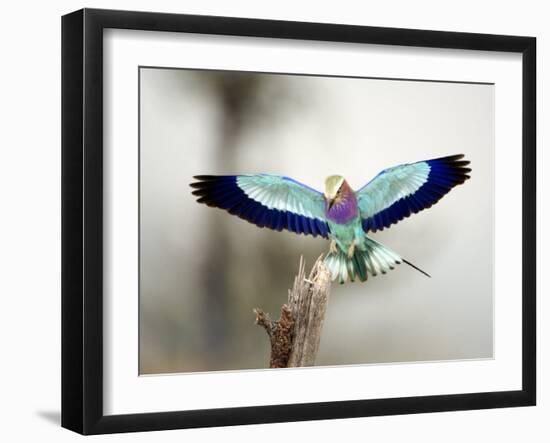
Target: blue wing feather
x=266, y=200
x=398, y=192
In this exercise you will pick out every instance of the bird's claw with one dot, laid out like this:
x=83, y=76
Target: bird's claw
x=351, y=250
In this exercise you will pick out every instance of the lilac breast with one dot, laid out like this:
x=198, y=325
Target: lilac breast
x=344, y=211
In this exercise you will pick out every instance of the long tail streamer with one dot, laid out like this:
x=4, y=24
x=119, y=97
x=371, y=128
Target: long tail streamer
x=374, y=259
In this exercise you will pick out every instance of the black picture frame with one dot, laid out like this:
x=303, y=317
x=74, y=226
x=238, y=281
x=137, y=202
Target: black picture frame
x=82, y=220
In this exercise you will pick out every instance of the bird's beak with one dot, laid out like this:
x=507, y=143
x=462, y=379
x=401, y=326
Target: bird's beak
x=331, y=199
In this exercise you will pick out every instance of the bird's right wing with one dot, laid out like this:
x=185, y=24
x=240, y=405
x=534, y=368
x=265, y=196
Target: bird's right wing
x=269, y=201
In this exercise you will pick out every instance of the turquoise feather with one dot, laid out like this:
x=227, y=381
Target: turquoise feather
x=284, y=194
x=390, y=186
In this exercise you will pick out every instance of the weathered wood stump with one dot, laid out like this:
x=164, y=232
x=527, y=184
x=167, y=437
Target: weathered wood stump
x=295, y=337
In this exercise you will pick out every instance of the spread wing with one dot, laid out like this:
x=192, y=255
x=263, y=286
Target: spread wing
x=266, y=200
x=398, y=192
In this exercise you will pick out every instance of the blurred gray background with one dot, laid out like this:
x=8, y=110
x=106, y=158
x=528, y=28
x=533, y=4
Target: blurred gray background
x=203, y=270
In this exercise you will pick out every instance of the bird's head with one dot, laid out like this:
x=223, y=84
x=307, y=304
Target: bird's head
x=333, y=189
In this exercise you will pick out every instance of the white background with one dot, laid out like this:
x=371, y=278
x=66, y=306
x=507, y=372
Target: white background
x=30, y=183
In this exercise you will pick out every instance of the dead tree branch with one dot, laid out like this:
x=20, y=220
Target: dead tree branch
x=295, y=337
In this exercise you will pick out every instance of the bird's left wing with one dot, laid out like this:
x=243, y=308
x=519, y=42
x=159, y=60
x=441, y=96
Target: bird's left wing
x=398, y=192
x=266, y=200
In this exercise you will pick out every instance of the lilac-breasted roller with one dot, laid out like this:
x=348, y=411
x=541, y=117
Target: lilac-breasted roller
x=340, y=214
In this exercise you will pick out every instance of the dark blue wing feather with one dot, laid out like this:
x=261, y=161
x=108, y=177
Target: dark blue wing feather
x=274, y=202
x=398, y=192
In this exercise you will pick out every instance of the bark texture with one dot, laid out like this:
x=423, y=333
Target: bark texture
x=296, y=336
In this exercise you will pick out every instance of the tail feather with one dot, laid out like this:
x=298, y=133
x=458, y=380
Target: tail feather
x=374, y=259
x=417, y=268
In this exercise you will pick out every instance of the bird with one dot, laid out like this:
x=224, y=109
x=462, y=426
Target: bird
x=339, y=214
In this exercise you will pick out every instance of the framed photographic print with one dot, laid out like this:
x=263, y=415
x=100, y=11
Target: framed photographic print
x=269, y=221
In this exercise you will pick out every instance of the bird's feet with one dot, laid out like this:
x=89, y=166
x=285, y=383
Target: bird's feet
x=351, y=250
x=333, y=249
